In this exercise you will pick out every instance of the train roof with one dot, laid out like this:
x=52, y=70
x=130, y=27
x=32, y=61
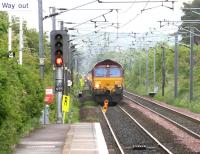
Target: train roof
x=107, y=62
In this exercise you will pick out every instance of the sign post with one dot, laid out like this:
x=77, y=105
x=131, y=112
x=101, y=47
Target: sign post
x=49, y=99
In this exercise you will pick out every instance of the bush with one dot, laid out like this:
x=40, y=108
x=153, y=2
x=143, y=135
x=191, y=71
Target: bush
x=21, y=102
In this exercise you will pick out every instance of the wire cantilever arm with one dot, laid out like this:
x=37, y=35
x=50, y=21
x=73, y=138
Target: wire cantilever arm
x=93, y=18
x=74, y=8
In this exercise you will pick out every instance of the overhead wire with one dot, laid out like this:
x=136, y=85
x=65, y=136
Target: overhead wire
x=127, y=9
x=117, y=19
x=135, y=16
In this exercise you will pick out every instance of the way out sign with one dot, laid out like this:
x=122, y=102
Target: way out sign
x=65, y=103
x=16, y=5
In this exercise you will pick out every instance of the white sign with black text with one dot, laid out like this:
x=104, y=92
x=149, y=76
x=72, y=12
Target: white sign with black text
x=16, y=5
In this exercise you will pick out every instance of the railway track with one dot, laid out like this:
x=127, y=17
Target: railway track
x=184, y=122
x=129, y=134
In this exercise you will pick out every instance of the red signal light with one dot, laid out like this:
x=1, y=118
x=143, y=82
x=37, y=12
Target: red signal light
x=59, y=61
x=59, y=58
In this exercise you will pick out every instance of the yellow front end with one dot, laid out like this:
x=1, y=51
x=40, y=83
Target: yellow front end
x=108, y=85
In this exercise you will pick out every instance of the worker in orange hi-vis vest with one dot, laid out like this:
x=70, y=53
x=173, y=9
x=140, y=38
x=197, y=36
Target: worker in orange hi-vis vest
x=105, y=106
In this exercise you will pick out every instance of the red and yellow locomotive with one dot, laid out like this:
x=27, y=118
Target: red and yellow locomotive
x=107, y=81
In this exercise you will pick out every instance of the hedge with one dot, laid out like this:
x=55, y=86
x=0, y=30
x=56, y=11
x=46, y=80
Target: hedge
x=21, y=102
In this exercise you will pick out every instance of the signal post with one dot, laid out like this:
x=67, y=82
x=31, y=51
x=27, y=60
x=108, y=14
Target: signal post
x=59, y=58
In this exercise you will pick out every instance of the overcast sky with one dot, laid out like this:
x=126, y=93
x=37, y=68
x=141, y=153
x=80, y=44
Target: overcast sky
x=129, y=15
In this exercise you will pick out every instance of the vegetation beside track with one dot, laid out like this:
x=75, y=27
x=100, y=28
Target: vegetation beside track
x=88, y=108
x=21, y=102
x=136, y=77
x=21, y=87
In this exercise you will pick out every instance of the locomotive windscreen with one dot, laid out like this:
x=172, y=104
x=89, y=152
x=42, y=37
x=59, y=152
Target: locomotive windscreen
x=114, y=72
x=107, y=72
x=100, y=72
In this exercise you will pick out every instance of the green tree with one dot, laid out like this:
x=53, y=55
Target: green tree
x=3, y=34
x=191, y=15
x=4, y=22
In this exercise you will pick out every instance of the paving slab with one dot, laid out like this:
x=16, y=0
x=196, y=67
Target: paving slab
x=49, y=139
x=85, y=138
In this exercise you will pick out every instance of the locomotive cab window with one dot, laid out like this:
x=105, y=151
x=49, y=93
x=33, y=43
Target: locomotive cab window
x=100, y=72
x=114, y=72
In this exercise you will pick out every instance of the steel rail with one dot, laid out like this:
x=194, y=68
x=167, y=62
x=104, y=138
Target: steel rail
x=113, y=134
x=171, y=110
x=147, y=132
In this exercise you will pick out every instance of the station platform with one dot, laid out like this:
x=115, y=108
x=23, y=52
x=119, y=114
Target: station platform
x=79, y=138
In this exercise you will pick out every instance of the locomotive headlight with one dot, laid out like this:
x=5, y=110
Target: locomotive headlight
x=96, y=85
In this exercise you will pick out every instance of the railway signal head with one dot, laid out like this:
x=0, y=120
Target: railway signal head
x=59, y=47
x=58, y=50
